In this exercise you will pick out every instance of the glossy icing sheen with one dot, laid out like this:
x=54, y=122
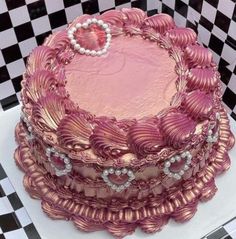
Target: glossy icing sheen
x=127, y=82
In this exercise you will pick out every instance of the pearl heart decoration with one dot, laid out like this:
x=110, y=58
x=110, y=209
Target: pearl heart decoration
x=50, y=153
x=177, y=158
x=118, y=172
x=86, y=25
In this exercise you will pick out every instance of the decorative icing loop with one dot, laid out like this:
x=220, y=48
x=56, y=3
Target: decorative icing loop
x=176, y=166
x=118, y=179
x=87, y=25
x=59, y=162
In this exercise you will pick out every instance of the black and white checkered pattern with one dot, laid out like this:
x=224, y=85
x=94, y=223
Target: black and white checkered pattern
x=25, y=23
x=14, y=219
x=215, y=23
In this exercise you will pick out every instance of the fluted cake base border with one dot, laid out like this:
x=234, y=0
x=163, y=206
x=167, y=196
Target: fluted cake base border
x=124, y=222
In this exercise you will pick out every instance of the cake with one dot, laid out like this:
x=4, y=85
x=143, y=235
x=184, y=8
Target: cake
x=122, y=123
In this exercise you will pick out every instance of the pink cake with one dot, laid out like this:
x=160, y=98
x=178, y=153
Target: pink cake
x=122, y=123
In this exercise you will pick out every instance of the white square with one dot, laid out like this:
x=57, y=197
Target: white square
x=232, y=86
x=209, y=12
x=5, y=206
x=6, y=89
x=226, y=7
x=3, y=6
x=185, y=1
x=2, y=61
x=104, y=4
x=54, y=6
x=19, y=234
x=216, y=57
x=228, y=54
x=159, y=6
x=41, y=25
x=19, y=15
x=170, y=4
x=19, y=97
x=232, y=29
x=7, y=38
x=31, y=1
x=27, y=46
x=152, y=4
x=193, y=15
x=203, y=35
x=73, y=12
x=219, y=33
x=7, y=186
x=16, y=68
x=179, y=20
x=23, y=217
x=125, y=5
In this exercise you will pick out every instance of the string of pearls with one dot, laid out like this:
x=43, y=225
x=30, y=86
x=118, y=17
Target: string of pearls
x=86, y=25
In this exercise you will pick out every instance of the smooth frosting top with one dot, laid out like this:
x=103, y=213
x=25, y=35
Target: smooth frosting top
x=134, y=79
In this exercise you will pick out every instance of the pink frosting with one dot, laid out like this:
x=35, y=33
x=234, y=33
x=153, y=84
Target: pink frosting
x=100, y=85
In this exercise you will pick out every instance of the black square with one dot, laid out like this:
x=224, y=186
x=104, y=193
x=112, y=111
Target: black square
x=140, y=4
x=31, y=231
x=40, y=38
x=152, y=12
x=216, y=44
x=4, y=75
x=229, y=98
x=9, y=222
x=68, y=3
x=37, y=9
x=233, y=115
x=234, y=13
x=17, y=83
x=214, y=3
x=57, y=19
x=206, y=23
x=196, y=5
x=15, y=201
x=168, y=10
x=11, y=53
x=2, y=173
x=181, y=8
x=5, y=21
x=2, y=193
x=222, y=21
x=9, y=102
x=11, y=4
x=24, y=31
x=192, y=26
x=231, y=42
x=90, y=7
x=225, y=74
x=120, y=2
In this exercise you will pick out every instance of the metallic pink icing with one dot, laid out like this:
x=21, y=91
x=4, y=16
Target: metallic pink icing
x=101, y=86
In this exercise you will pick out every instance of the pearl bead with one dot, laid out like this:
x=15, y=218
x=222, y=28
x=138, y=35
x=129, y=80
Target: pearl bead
x=167, y=164
x=94, y=20
x=85, y=25
x=129, y=173
x=71, y=36
x=56, y=154
x=122, y=187
x=68, y=166
x=186, y=167
x=114, y=187
x=99, y=53
x=93, y=53
x=105, y=26
x=48, y=150
x=89, y=21
x=100, y=22
x=107, y=30
x=181, y=172
x=127, y=184
x=78, y=25
x=183, y=155
x=73, y=41
x=82, y=50
x=104, y=51
x=87, y=52
x=177, y=176
x=73, y=29
x=105, y=172
x=77, y=46
x=66, y=160
x=166, y=171
x=117, y=172
x=124, y=171
x=172, y=159
x=111, y=170
x=108, y=36
x=178, y=158
x=210, y=132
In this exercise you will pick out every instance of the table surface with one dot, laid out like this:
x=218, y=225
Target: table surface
x=209, y=216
